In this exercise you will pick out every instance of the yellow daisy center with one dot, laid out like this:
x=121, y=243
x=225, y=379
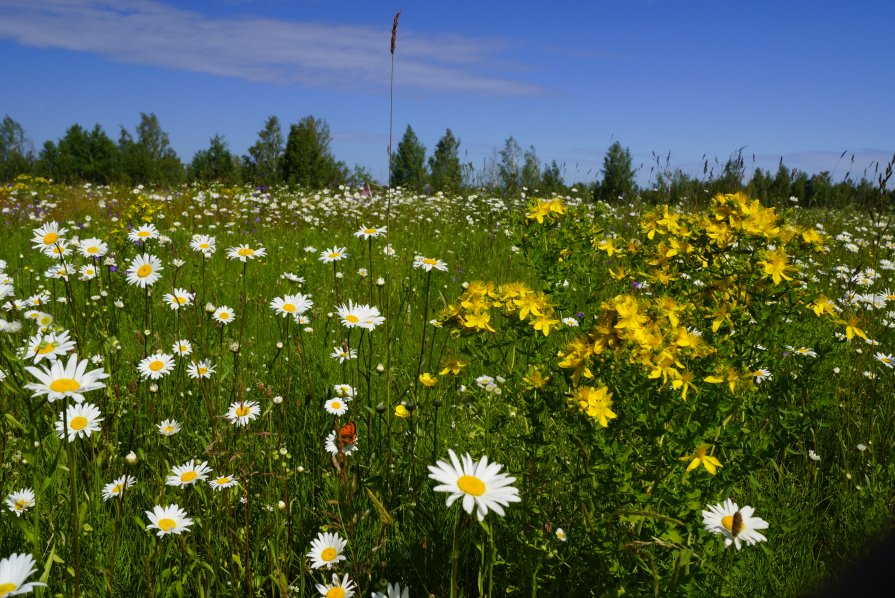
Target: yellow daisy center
x=246, y=251
x=202, y=371
x=430, y=262
x=188, y=476
x=329, y=554
x=224, y=315
x=144, y=270
x=180, y=299
x=50, y=238
x=78, y=423
x=93, y=249
x=471, y=485
x=223, y=480
x=288, y=307
x=166, y=524
x=58, y=249
x=352, y=318
x=335, y=405
x=156, y=365
x=64, y=385
x=20, y=505
x=184, y=348
x=370, y=231
x=45, y=348
x=169, y=429
x=6, y=588
x=204, y=246
x=243, y=410
x=143, y=233
x=117, y=488
x=335, y=256
x=335, y=593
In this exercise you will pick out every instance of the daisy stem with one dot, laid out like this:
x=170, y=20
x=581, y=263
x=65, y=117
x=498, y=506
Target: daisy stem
x=455, y=556
x=75, y=523
x=419, y=362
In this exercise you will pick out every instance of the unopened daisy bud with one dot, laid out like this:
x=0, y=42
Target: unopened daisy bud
x=147, y=332
x=380, y=368
x=279, y=344
x=380, y=407
x=210, y=308
x=380, y=282
x=277, y=400
x=131, y=458
x=153, y=388
x=281, y=505
x=234, y=347
x=119, y=303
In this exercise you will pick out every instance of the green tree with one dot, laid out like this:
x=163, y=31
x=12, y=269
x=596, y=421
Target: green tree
x=80, y=156
x=15, y=155
x=215, y=163
x=408, y=164
x=551, y=179
x=150, y=159
x=618, y=174
x=530, y=175
x=264, y=164
x=509, y=168
x=308, y=162
x=444, y=165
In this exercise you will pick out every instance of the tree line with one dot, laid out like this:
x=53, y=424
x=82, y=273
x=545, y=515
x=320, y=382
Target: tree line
x=302, y=157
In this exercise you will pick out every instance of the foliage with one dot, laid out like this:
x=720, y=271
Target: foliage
x=408, y=164
x=308, y=162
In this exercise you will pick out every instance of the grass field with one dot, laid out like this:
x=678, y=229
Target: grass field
x=257, y=387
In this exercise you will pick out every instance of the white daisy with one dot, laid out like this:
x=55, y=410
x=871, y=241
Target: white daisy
x=202, y=369
x=82, y=419
x=291, y=305
x=168, y=427
x=182, y=347
x=168, y=520
x=242, y=412
x=333, y=449
x=886, y=360
x=336, y=407
x=87, y=272
x=14, y=571
x=20, y=501
x=224, y=314
x=143, y=233
x=333, y=254
x=339, y=588
x=117, y=487
x=244, y=253
x=478, y=484
x=427, y=263
x=345, y=391
x=179, y=298
x=155, y=366
x=733, y=523
x=71, y=380
x=393, y=591
x=144, y=270
x=188, y=473
x=221, y=482
x=343, y=354
x=327, y=549
x=368, y=232
x=204, y=244
x=47, y=235
x=93, y=248
x=49, y=346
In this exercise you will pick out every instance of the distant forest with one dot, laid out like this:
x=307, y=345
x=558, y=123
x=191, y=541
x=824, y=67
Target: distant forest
x=302, y=157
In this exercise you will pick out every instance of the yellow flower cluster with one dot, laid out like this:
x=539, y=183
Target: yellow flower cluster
x=543, y=209
x=473, y=310
x=709, y=270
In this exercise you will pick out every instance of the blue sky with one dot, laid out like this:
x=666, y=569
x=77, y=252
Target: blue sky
x=804, y=81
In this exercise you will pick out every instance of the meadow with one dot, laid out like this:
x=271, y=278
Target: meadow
x=230, y=391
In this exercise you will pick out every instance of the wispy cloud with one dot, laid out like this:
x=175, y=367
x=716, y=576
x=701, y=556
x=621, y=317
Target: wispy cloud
x=262, y=49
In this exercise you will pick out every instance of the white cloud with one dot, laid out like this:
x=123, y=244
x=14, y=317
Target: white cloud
x=262, y=49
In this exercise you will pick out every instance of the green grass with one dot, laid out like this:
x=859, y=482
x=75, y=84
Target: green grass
x=621, y=494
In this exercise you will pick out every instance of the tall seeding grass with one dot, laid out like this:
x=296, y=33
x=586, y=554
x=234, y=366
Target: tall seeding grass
x=241, y=392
